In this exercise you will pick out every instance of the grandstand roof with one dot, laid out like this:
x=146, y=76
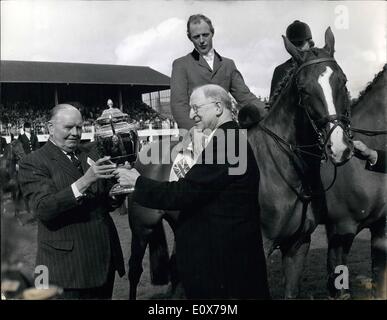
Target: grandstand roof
x=81, y=73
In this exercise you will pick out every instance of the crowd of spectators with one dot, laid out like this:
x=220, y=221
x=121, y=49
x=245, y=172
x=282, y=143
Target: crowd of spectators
x=13, y=116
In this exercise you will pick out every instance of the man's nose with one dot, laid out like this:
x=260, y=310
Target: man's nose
x=192, y=114
x=76, y=131
x=201, y=39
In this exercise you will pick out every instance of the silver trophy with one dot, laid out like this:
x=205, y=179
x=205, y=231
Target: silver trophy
x=117, y=138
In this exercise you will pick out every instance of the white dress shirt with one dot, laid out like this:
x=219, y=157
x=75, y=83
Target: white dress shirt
x=74, y=188
x=209, y=57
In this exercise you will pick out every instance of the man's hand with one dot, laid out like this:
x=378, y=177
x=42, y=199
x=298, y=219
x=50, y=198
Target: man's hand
x=126, y=177
x=102, y=169
x=365, y=153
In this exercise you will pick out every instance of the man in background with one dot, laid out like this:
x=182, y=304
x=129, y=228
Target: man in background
x=300, y=35
x=204, y=66
x=28, y=139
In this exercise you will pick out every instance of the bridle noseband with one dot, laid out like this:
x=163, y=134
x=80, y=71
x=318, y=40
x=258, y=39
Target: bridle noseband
x=294, y=151
x=343, y=121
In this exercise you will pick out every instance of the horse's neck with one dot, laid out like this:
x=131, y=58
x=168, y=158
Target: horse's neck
x=370, y=113
x=282, y=118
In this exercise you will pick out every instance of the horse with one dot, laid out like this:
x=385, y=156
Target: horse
x=358, y=198
x=147, y=224
x=307, y=123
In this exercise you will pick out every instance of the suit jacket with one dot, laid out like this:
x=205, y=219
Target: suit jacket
x=77, y=241
x=219, y=247
x=29, y=145
x=279, y=73
x=3, y=145
x=192, y=70
x=380, y=165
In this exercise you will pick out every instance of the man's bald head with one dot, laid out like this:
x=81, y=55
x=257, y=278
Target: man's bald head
x=65, y=127
x=218, y=93
x=59, y=108
x=210, y=106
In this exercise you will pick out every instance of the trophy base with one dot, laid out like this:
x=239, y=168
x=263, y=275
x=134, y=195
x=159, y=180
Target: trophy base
x=117, y=190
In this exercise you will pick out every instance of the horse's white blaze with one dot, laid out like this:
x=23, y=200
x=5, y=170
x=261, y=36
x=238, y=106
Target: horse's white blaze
x=337, y=136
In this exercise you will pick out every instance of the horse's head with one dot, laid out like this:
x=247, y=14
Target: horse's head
x=323, y=95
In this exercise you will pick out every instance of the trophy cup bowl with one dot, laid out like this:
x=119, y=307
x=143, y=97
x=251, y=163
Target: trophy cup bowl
x=117, y=138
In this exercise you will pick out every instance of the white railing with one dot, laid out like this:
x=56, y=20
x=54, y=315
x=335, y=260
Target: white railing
x=89, y=136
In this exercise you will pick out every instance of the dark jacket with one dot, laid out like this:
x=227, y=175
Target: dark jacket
x=192, y=71
x=76, y=240
x=279, y=73
x=29, y=145
x=3, y=145
x=219, y=246
x=380, y=165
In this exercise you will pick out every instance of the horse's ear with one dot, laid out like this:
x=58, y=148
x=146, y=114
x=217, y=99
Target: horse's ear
x=293, y=51
x=329, y=41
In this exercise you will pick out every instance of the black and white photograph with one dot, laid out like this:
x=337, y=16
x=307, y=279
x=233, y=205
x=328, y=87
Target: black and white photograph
x=215, y=151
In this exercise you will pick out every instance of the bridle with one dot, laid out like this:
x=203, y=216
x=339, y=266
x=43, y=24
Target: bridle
x=337, y=120
x=294, y=151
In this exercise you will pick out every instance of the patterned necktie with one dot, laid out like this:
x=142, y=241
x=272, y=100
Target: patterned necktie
x=75, y=161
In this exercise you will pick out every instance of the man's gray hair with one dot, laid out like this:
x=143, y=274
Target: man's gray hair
x=217, y=93
x=196, y=18
x=60, y=107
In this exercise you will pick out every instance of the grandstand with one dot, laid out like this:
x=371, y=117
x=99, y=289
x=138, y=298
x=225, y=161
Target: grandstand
x=29, y=89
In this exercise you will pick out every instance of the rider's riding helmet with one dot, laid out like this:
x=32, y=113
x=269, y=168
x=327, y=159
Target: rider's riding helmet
x=298, y=32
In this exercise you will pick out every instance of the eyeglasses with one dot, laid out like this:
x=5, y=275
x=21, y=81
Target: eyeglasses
x=195, y=108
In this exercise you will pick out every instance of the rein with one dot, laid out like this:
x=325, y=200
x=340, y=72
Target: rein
x=298, y=162
x=293, y=151
x=370, y=133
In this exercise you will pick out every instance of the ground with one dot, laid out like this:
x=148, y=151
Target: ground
x=313, y=284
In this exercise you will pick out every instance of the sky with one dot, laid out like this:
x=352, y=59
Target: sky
x=153, y=33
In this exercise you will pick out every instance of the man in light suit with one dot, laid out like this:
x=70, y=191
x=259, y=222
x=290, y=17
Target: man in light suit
x=219, y=248
x=67, y=187
x=205, y=66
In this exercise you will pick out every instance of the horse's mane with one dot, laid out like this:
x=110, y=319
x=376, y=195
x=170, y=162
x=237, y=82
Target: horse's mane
x=369, y=87
x=287, y=78
x=283, y=83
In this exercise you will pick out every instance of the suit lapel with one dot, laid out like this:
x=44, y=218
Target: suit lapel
x=61, y=160
x=217, y=63
x=200, y=60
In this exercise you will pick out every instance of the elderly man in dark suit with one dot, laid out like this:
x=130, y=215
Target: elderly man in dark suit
x=205, y=66
x=219, y=247
x=67, y=187
x=28, y=139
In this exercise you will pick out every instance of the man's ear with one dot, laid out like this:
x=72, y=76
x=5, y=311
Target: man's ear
x=219, y=108
x=50, y=127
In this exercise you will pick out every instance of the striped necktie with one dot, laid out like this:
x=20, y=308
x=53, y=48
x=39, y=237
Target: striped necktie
x=75, y=161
